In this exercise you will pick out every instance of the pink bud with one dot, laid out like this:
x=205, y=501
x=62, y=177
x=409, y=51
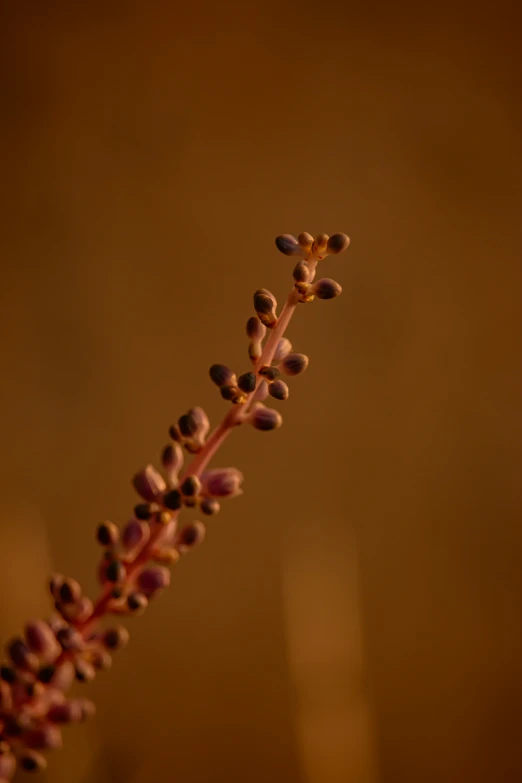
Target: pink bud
x=63, y=677
x=47, y=737
x=153, y=579
x=7, y=766
x=149, y=483
x=172, y=460
x=222, y=482
x=68, y=712
x=263, y=418
x=284, y=346
x=190, y=536
x=42, y=640
x=135, y=533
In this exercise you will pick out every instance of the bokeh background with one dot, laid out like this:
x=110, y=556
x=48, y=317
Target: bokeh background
x=354, y=617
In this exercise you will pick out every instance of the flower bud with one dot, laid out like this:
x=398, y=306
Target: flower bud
x=115, y=571
x=200, y=418
x=263, y=418
x=254, y=351
x=265, y=306
x=222, y=375
x=321, y=243
x=116, y=638
x=137, y=602
x=190, y=536
x=107, y=534
x=222, y=482
x=46, y=737
x=262, y=391
x=69, y=592
x=294, y=363
x=66, y=712
x=143, y=511
x=84, y=671
x=301, y=272
x=8, y=674
x=305, y=242
x=149, y=483
x=284, y=346
x=55, y=583
x=166, y=554
x=247, y=382
x=255, y=329
x=172, y=460
x=326, y=288
x=190, y=487
x=135, y=534
x=288, y=245
x=209, y=506
x=31, y=761
x=70, y=639
x=269, y=372
x=21, y=655
x=63, y=677
x=6, y=697
x=100, y=659
x=172, y=499
x=337, y=243
x=279, y=390
x=42, y=640
x=153, y=579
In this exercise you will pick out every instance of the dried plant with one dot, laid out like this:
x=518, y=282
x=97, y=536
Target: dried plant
x=70, y=644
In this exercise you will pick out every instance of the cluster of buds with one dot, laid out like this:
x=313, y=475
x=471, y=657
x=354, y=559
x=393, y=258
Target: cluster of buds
x=133, y=568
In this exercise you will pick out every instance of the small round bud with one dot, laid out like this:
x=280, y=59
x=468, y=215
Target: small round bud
x=55, y=582
x=101, y=659
x=337, y=243
x=70, y=592
x=47, y=737
x=70, y=638
x=255, y=329
x=301, y=272
x=209, y=506
x=187, y=425
x=135, y=534
x=172, y=458
x=279, y=390
x=66, y=712
x=294, y=363
x=265, y=307
x=326, y=288
x=107, y=534
x=305, y=242
x=222, y=482
x=191, y=486
x=149, y=483
x=84, y=671
x=115, y=571
x=63, y=677
x=263, y=418
x=172, y=500
x=153, y=579
x=31, y=761
x=222, y=375
x=254, y=351
x=143, y=511
x=42, y=640
x=262, y=391
x=115, y=638
x=321, y=242
x=288, y=245
x=247, y=382
x=137, y=602
x=190, y=536
x=270, y=373
x=46, y=674
x=166, y=554
x=8, y=674
x=284, y=346
x=21, y=655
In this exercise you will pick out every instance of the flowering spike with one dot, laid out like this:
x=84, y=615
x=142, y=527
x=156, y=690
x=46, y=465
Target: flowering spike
x=42, y=665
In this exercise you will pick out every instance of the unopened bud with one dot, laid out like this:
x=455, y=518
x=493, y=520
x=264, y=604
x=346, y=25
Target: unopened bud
x=279, y=390
x=153, y=579
x=284, y=346
x=190, y=536
x=294, y=363
x=209, y=506
x=42, y=640
x=7, y=766
x=263, y=418
x=247, y=382
x=326, y=288
x=254, y=351
x=46, y=737
x=337, y=243
x=265, y=306
x=222, y=375
x=255, y=329
x=172, y=459
x=66, y=712
x=107, y=534
x=301, y=272
x=116, y=571
x=143, y=511
x=305, y=242
x=321, y=243
x=135, y=534
x=70, y=592
x=222, y=482
x=269, y=372
x=190, y=487
x=137, y=602
x=21, y=655
x=70, y=639
x=84, y=671
x=116, y=638
x=172, y=499
x=55, y=583
x=148, y=483
x=288, y=244
x=31, y=761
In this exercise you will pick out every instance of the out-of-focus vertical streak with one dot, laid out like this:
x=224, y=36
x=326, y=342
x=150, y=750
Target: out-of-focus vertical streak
x=326, y=656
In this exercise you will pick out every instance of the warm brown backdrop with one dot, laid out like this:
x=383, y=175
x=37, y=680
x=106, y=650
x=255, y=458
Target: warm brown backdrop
x=355, y=616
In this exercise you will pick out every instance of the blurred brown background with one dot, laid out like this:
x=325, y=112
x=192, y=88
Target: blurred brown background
x=355, y=616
